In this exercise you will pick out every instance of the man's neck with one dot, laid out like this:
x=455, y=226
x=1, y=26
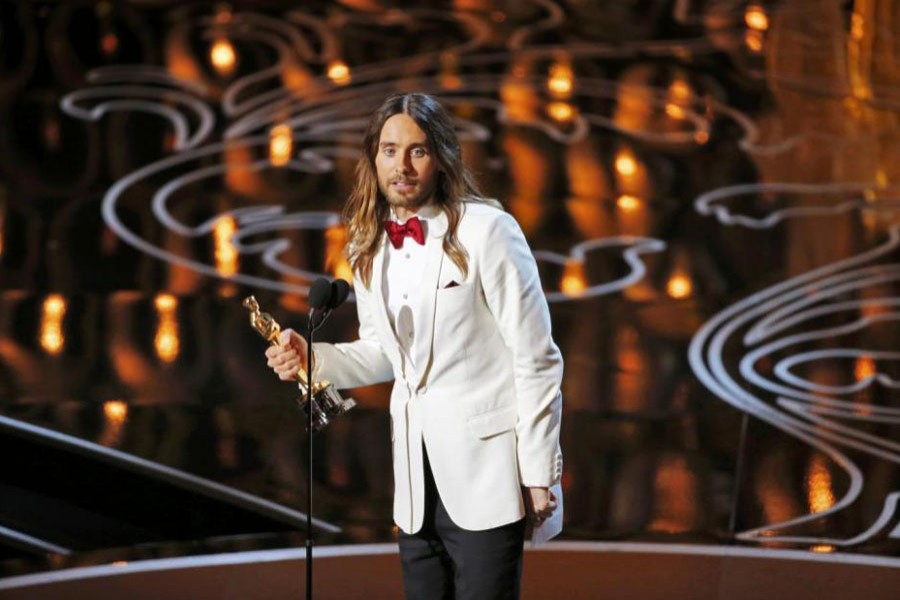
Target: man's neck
x=403, y=213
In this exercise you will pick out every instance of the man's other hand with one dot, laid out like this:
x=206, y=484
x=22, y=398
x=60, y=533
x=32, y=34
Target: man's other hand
x=540, y=503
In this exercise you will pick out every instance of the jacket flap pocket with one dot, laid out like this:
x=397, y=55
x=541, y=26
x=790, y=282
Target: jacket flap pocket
x=491, y=423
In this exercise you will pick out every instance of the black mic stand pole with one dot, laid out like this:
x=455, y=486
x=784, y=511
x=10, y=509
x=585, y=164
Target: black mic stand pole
x=309, y=476
x=337, y=297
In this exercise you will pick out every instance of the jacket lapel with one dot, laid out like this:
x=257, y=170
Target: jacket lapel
x=382, y=321
x=424, y=317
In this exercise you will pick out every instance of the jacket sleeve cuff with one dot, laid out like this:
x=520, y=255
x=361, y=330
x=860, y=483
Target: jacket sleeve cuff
x=544, y=475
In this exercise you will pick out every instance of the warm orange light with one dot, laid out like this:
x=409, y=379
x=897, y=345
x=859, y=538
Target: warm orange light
x=701, y=137
x=680, y=89
x=239, y=174
x=116, y=411
x=573, y=281
x=335, y=260
x=226, y=253
x=864, y=368
x=626, y=165
x=343, y=270
x=754, y=40
x=109, y=43
x=755, y=18
x=166, y=341
x=818, y=482
x=857, y=26
x=281, y=145
x=561, y=111
x=51, y=335
x=450, y=79
x=519, y=98
x=165, y=302
x=54, y=306
x=120, y=563
x=628, y=351
x=675, y=488
x=628, y=203
x=339, y=72
x=222, y=56
x=679, y=286
x=823, y=548
x=674, y=111
x=561, y=80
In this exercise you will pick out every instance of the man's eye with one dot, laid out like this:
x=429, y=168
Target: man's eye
x=388, y=151
x=419, y=152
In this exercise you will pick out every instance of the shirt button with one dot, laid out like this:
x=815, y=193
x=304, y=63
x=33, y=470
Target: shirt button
x=407, y=255
x=405, y=296
x=410, y=334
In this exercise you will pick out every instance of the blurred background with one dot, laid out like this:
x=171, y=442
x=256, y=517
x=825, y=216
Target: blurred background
x=709, y=187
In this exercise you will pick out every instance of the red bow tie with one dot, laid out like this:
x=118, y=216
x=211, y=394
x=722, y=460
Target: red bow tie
x=412, y=228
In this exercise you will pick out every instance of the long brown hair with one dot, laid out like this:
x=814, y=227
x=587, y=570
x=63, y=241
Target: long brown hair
x=366, y=208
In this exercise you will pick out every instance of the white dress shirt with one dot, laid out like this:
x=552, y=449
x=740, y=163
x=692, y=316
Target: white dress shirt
x=401, y=283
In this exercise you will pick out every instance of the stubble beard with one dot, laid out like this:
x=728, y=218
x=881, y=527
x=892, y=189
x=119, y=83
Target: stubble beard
x=408, y=202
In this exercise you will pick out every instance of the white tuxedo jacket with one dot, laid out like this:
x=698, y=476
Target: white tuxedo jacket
x=485, y=391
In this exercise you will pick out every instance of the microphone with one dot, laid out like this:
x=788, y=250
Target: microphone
x=324, y=297
x=319, y=294
x=340, y=289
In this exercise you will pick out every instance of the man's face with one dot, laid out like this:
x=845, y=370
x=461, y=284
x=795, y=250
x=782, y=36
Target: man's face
x=406, y=168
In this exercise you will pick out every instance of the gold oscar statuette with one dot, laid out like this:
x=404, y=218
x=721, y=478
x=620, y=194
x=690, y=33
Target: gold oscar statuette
x=327, y=403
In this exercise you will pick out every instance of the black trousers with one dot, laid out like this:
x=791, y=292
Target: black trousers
x=445, y=562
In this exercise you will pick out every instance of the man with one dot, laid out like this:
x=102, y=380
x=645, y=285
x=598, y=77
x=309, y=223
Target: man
x=451, y=308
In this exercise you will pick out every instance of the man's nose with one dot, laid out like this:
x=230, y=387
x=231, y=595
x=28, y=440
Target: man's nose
x=406, y=164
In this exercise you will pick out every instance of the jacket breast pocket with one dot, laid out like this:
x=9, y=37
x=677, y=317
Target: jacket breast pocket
x=455, y=292
x=492, y=423
x=453, y=306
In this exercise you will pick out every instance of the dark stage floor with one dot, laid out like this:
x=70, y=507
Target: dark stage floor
x=710, y=189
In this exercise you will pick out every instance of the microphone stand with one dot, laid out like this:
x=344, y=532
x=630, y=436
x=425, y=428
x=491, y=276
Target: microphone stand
x=337, y=294
x=324, y=297
x=315, y=321
x=309, y=475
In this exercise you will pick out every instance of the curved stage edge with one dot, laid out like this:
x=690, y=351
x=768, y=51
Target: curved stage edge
x=571, y=570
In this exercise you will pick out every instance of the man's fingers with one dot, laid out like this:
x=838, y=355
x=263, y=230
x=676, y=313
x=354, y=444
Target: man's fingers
x=284, y=338
x=290, y=367
x=287, y=355
x=281, y=357
x=547, y=509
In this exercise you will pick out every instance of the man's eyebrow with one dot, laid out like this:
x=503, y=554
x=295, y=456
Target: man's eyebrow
x=394, y=144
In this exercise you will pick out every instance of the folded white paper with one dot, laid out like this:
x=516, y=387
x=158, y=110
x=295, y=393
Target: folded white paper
x=551, y=527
